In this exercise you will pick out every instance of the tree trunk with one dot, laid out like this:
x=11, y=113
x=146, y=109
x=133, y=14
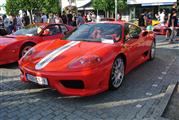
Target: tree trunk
x=30, y=12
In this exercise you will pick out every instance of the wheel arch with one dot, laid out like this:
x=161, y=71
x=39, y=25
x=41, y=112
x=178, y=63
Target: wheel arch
x=25, y=44
x=123, y=57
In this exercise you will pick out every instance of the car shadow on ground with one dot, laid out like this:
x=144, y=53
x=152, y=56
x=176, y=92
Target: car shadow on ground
x=10, y=66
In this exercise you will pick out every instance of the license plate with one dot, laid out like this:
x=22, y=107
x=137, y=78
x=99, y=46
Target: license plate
x=37, y=79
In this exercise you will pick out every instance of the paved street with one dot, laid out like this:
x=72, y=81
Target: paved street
x=138, y=97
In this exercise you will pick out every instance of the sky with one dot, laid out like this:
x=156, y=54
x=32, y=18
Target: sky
x=2, y=2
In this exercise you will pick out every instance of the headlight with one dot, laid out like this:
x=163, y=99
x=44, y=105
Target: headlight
x=85, y=61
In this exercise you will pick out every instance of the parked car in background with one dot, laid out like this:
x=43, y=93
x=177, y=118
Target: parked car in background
x=161, y=30
x=14, y=46
x=91, y=59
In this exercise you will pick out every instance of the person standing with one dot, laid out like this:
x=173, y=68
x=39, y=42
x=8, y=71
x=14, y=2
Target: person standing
x=19, y=22
x=64, y=17
x=89, y=17
x=162, y=17
x=93, y=17
x=58, y=19
x=141, y=20
x=37, y=18
x=69, y=18
x=51, y=19
x=79, y=20
x=25, y=20
x=172, y=23
x=44, y=18
x=14, y=23
x=6, y=23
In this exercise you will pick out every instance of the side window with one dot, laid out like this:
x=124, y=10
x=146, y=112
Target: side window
x=134, y=31
x=63, y=28
x=131, y=31
x=53, y=30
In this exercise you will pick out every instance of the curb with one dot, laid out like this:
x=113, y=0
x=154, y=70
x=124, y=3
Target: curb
x=164, y=102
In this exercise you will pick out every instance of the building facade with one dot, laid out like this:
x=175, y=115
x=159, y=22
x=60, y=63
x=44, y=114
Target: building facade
x=139, y=6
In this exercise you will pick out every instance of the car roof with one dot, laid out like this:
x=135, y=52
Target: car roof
x=109, y=22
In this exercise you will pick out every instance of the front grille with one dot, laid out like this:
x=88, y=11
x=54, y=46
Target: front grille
x=74, y=84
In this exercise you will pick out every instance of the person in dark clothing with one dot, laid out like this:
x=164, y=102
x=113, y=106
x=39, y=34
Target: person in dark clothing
x=26, y=20
x=141, y=20
x=172, y=23
x=14, y=23
x=69, y=18
x=64, y=18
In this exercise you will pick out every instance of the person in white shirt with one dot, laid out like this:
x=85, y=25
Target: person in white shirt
x=162, y=17
x=44, y=18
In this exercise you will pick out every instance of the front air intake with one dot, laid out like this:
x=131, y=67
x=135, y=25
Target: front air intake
x=74, y=84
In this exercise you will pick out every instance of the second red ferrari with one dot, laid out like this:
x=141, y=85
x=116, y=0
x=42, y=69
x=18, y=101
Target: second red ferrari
x=14, y=46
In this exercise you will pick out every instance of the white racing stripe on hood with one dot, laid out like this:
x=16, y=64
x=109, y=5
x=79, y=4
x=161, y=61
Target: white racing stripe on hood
x=47, y=59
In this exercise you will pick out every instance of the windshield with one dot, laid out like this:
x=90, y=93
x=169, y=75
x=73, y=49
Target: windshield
x=30, y=30
x=96, y=32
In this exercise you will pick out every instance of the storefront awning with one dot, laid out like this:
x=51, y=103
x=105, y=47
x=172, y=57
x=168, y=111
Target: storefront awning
x=152, y=2
x=157, y=4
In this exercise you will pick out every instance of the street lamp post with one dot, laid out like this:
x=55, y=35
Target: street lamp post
x=115, y=10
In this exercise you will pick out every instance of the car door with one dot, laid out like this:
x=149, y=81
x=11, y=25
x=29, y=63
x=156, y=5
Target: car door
x=132, y=44
x=52, y=32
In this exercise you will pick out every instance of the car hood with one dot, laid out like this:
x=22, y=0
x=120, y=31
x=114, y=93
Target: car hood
x=57, y=55
x=8, y=39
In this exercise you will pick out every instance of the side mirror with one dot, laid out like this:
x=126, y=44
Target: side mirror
x=144, y=33
x=46, y=33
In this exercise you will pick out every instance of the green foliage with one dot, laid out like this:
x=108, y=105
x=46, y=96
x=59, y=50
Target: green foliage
x=109, y=5
x=12, y=7
x=122, y=5
x=47, y=6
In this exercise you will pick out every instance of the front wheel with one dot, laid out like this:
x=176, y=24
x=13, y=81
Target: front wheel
x=117, y=74
x=25, y=49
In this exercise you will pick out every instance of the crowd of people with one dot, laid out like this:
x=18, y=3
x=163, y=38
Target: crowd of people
x=168, y=19
x=13, y=23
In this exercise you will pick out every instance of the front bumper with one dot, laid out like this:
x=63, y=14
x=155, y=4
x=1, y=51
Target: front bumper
x=88, y=82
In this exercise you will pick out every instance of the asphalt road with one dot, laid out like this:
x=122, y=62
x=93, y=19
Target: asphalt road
x=137, y=98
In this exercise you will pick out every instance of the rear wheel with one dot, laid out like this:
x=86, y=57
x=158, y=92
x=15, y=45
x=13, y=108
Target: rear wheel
x=117, y=74
x=25, y=48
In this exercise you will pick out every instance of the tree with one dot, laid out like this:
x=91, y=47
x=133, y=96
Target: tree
x=51, y=6
x=109, y=5
x=46, y=6
x=12, y=7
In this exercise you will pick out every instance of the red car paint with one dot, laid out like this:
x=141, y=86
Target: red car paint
x=94, y=75
x=11, y=45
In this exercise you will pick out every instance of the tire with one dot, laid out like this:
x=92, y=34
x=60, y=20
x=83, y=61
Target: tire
x=117, y=74
x=152, y=51
x=25, y=48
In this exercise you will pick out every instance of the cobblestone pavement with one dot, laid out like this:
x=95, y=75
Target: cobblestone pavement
x=137, y=98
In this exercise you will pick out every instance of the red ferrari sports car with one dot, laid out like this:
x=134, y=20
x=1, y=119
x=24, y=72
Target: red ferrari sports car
x=91, y=59
x=14, y=46
x=161, y=30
